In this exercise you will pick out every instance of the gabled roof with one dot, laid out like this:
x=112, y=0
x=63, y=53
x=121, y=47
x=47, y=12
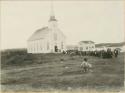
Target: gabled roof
x=39, y=34
x=87, y=42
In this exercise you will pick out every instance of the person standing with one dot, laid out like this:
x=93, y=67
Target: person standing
x=116, y=52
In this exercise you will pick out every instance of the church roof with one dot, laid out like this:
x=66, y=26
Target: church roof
x=39, y=34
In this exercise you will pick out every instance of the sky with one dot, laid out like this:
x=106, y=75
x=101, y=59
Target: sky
x=99, y=21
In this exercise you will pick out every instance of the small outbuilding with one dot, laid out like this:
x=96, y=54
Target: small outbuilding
x=86, y=46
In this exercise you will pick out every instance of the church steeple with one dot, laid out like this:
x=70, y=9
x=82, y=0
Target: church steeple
x=52, y=15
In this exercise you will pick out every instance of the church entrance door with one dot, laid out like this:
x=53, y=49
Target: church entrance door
x=56, y=49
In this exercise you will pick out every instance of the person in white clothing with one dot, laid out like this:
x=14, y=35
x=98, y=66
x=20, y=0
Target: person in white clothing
x=85, y=65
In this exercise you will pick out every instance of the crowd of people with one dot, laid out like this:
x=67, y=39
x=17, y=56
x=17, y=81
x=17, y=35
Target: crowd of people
x=102, y=53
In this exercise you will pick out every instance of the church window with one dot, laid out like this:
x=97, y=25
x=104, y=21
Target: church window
x=34, y=48
x=31, y=48
x=41, y=47
x=37, y=47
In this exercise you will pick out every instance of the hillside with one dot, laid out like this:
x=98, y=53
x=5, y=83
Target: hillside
x=38, y=72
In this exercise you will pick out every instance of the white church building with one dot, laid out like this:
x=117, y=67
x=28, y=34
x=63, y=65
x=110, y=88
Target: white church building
x=49, y=39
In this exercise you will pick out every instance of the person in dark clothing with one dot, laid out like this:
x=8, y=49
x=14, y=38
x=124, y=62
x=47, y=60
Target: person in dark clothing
x=109, y=53
x=116, y=52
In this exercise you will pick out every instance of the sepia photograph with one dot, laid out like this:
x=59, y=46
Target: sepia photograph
x=62, y=46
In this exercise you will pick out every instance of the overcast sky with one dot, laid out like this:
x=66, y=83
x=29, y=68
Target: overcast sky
x=99, y=21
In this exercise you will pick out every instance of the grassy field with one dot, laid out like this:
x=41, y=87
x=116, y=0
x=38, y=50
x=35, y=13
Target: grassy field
x=38, y=72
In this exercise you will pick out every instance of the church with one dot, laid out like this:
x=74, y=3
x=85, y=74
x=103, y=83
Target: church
x=49, y=39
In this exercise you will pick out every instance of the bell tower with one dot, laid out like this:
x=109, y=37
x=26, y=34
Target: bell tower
x=52, y=19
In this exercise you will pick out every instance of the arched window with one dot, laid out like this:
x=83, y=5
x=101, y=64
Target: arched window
x=34, y=48
x=37, y=46
x=41, y=47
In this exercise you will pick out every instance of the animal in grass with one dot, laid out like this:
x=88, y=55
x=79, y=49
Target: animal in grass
x=86, y=66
